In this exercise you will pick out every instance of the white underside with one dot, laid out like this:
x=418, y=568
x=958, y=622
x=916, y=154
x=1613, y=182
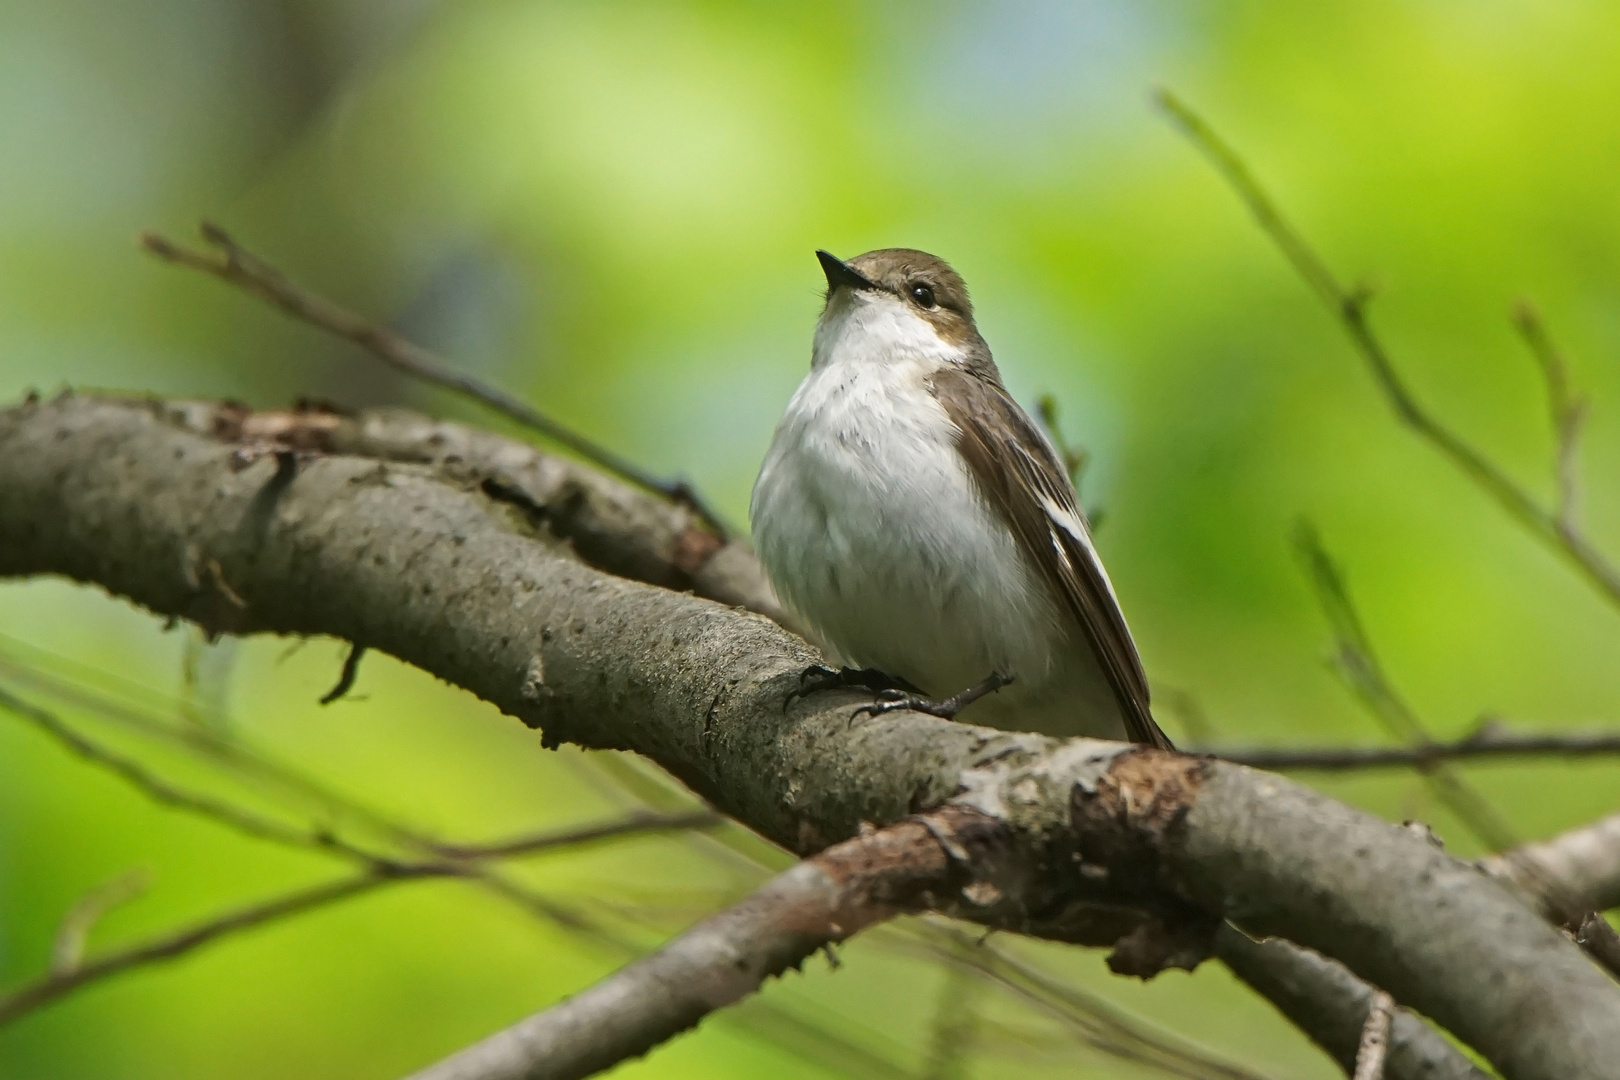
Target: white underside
x=873, y=531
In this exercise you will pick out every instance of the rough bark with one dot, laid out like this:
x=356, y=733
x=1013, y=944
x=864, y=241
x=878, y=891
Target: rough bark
x=447, y=575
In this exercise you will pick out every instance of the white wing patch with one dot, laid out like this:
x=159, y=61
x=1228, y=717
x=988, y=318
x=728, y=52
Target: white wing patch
x=1071, y=523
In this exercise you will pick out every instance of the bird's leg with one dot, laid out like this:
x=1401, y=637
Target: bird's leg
x=893, y=700
x=818, y=677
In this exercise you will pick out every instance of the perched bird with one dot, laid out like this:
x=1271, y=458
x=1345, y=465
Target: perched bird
x=922, y=528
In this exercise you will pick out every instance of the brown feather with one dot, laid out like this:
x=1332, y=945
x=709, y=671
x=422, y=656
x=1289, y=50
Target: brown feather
x=1015, y=469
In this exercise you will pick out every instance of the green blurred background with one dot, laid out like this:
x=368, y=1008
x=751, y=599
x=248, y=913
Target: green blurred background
x=611, y=209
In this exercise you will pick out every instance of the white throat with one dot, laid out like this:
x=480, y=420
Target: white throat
x=877, y=328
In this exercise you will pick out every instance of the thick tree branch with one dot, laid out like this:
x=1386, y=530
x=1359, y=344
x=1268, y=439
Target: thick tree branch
x=442, y=576
x=610, y=526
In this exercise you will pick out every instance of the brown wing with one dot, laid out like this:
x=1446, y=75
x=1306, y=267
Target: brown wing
x=1020, y=475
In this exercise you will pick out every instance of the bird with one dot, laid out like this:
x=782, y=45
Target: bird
x=922, y=529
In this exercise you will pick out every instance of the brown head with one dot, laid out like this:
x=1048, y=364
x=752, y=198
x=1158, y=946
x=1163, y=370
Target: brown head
x=925, y=283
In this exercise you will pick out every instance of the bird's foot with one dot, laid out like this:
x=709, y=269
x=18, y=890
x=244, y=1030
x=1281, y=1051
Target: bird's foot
x=896, y=700
x=818, y=677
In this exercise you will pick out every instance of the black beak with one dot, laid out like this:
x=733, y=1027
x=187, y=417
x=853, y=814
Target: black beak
x=840, y=273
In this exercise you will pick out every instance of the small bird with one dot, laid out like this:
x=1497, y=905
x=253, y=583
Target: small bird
x=922, y=528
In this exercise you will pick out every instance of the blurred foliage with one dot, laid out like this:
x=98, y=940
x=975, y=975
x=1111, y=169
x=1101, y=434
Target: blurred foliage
x=612, y=209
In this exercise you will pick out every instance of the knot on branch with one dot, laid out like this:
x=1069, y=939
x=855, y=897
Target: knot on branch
x=1124, y=824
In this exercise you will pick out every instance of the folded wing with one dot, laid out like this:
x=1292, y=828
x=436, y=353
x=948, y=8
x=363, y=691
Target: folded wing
x=1019, y=473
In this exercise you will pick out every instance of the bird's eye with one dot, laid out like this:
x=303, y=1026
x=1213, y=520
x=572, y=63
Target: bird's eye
x=922, y=294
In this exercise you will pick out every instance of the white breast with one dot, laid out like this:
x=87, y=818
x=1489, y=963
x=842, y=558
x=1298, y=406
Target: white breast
x=872, y=530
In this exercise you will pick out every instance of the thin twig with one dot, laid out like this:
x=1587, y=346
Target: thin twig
x=638, y=822
x=1357, y=664
x=447, y=860
x=1375, y=1038
x=1092, y=1018
x=1487, y=743
x=67, y=951
x=954, y=1028
x=58, y=983
x=1565, y=411
x=159, y=789
x=247, y=271
x=1350, y=306
x=722, y=959
x=1075, y=458
x=346, y=677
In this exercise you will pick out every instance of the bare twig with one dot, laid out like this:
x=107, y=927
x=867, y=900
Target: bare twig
x=61, y=982
x=1484, y=744
x=724, y=958
x=247, y=271
x=639, y=822
x=346, y=677
x=1075, y=458
x=1096, y=1021
x=1375, y=1038
x=1357, y=664
x=159, y=789
x=1350, y=305
x=954, y=1028
x=67, y=951
x=446, y=860
x=1565, y=411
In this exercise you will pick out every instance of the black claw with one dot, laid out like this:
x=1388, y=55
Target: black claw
x=818, y=677
x=891, y=701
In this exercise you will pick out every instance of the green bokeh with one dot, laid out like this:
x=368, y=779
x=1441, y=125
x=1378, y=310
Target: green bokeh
x=612, y=209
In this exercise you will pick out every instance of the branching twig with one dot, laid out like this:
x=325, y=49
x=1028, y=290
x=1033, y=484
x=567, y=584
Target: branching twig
x=247, y=271
x=1565, y=411
x=1485, y=743
x=638, y=823
x=1357, y=664
x=61, y=982
x=1552, y=528
x=722, y=959
x=1096, y=1021
x=159, y=789
x=68, y=973
x=1075, y=458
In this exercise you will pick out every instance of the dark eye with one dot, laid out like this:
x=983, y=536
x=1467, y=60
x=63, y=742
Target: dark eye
x=922, y=294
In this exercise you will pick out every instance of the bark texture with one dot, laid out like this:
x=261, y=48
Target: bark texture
x=463, y=581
